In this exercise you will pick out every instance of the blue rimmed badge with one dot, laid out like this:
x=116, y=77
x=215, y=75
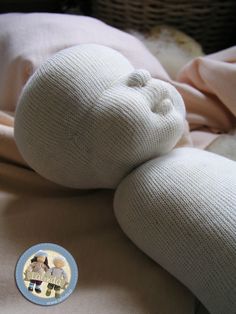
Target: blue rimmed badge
x=46, y=274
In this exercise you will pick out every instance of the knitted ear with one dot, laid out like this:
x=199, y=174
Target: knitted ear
x=180, y=209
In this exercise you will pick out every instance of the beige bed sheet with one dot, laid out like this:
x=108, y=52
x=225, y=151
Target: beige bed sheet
x=114, y=275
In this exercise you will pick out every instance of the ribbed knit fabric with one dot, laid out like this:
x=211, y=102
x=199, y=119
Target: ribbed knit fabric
x=180, y=209
x=86, y=117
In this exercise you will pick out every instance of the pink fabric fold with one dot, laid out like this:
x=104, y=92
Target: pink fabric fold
x=210, y=87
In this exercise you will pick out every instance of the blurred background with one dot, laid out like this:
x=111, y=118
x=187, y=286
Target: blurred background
x=211, y=23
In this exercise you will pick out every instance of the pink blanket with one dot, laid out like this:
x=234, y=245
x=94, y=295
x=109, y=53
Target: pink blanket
x=207, y=84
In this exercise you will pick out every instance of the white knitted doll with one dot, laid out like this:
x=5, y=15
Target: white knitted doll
x=88, y=119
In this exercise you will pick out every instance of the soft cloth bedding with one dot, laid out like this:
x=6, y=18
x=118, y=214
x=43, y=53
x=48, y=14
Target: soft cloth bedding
x=115, y=277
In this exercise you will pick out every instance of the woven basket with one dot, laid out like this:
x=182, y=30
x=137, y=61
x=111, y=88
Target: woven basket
x=212, y=23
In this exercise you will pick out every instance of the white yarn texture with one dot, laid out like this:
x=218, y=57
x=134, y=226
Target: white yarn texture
x=180, y=209
x=87, y=117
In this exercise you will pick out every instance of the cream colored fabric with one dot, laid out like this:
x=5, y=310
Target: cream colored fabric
x=87, y=117
x=224, y=145
x=180, y=209
x=114, y=276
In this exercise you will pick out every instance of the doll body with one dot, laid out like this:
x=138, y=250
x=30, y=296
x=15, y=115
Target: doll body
x=180, y=209
x=38, y=265
x=88, y=119
x=57, y=272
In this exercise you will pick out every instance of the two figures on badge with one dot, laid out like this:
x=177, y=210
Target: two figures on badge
x=39, y=266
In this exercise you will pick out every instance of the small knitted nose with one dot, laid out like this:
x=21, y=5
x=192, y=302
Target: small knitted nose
x=139, y=78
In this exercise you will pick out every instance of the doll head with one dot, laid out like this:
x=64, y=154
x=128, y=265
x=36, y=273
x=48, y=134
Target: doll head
x=86, y=117
x=59, y=261
x=40, y=257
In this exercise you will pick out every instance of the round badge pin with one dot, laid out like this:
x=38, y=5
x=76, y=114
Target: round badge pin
x=46, y=274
